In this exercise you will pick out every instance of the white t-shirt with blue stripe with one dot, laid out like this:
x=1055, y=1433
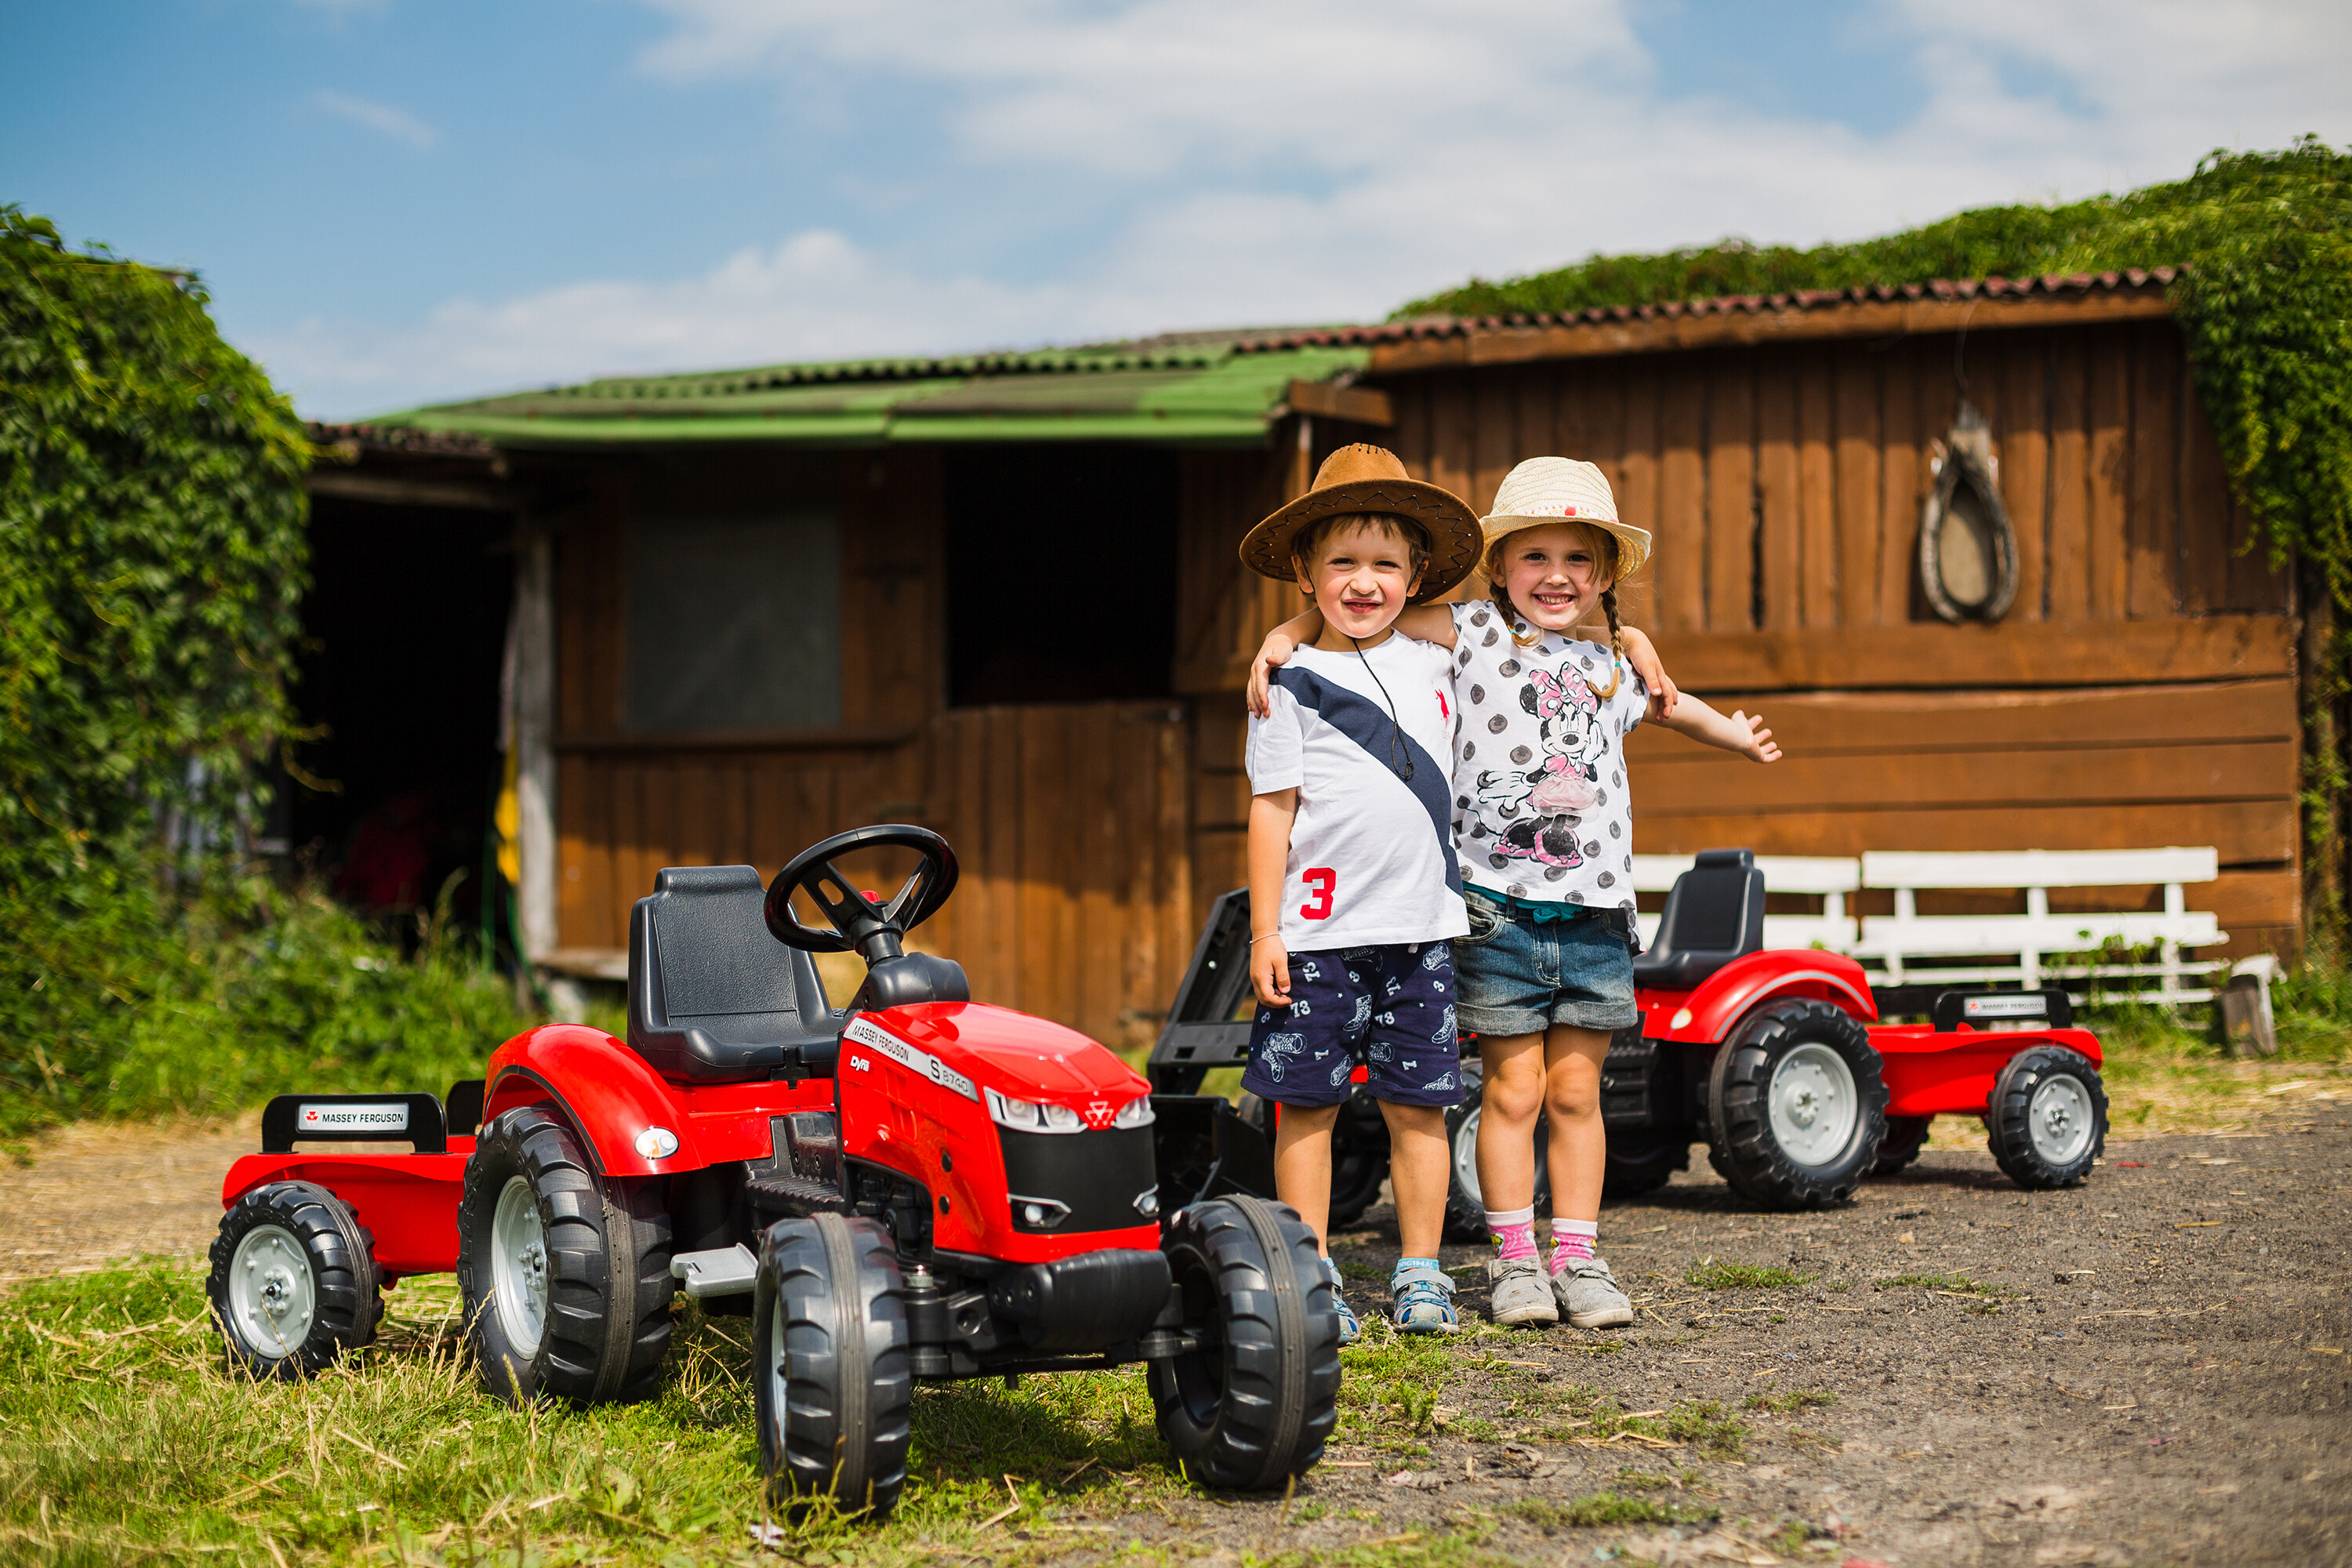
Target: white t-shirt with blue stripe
x=1368, y=742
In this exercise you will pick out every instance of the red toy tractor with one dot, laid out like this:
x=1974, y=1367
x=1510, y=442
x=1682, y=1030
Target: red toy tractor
x=1774, y=1060
x=915, y=1188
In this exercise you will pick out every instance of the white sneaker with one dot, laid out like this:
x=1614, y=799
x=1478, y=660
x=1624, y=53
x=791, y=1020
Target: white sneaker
x=1522, y=1293
x=1588, y=1297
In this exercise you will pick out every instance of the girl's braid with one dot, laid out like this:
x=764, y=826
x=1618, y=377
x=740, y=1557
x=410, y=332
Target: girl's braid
x=1616, y=643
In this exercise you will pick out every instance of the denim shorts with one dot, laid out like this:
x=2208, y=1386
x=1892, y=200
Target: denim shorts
x=1388, y=1009
x=1516, y=976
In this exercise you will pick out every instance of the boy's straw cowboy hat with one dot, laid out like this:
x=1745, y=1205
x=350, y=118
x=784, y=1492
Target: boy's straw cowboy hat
x=1368, y=479
x=1562, y=490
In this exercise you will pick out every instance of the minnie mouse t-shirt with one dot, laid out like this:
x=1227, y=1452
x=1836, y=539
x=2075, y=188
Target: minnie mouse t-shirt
x=1541, y=808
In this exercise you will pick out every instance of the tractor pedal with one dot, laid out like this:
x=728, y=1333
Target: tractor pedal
x=791, y=1195
x=721, y=1271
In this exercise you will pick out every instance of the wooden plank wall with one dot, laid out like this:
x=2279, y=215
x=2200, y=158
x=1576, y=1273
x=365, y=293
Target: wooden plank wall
x=2139, y=692
x=1068, y=822
x=1077, y=898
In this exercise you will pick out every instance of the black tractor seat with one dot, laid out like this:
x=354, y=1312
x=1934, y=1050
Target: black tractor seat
x=713, y=998
x=1715, y=914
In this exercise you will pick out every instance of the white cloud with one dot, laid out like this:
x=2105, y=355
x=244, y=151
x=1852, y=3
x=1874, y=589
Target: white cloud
x=381, y=118
x=816, y=296
x=1238, y=163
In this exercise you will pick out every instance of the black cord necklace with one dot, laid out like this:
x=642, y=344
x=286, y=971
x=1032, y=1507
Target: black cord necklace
x=1399, y=753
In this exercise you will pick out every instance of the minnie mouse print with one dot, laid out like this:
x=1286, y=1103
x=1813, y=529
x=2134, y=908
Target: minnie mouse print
x=1545, y=806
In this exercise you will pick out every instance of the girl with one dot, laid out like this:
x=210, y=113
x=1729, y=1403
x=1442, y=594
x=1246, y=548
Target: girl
x=1544, y=829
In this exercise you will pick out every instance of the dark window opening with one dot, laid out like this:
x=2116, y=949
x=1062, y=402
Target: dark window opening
x=1061, y=573
x=404, y=633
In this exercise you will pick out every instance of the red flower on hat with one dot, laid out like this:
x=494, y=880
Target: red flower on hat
x=1568, y=511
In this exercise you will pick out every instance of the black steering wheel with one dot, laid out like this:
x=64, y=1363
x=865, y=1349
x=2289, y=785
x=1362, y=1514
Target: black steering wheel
x=856, y=918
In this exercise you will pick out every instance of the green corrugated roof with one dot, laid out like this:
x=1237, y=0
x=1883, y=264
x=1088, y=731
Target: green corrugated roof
x=1195, y=389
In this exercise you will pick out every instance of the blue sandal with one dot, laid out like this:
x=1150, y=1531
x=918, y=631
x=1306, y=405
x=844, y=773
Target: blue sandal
x=1352, y=1328
x=1422, y=1302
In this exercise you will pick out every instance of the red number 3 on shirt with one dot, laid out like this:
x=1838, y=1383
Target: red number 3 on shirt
x=1322, y=878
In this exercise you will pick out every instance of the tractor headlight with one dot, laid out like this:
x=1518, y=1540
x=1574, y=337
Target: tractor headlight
x=1136, y=1112
x=1028, y=1116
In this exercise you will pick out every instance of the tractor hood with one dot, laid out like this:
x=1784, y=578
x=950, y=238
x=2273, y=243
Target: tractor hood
x=1014, y=1054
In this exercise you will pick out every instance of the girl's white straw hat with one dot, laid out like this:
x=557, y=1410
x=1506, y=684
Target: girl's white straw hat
x=1562, y=490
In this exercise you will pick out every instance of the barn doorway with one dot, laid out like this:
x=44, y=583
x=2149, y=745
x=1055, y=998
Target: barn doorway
x=404, y=632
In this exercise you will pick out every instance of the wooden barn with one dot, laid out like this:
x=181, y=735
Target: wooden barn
x=1000, y=596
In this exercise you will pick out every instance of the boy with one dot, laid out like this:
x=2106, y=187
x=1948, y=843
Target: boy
x=1355, y=892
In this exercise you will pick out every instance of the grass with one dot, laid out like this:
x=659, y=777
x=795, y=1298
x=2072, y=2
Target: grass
x=128, y=1440
x=1713, y=1274
x=1795, y=1399
x=2169, y=1075
x=1602, y=1509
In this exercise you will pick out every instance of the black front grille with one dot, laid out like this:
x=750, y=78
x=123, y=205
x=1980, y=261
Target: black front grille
x=1096, y=1176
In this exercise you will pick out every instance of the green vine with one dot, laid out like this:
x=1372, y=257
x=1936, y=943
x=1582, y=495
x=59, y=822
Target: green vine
x=152, y=559
x=2264, y=300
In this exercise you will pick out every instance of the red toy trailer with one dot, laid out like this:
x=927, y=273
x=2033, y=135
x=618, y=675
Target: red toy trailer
x=915, y=1188
x=1776, y=1060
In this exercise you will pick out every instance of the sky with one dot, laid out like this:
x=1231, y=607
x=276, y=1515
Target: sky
x=395, y=202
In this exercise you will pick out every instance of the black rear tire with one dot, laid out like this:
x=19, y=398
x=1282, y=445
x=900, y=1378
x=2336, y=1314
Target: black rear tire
x=1257, y=1402
x=1832, y=1113
x=1905, y=1136
x=603, y=1310
x=1642, y=1160
x=293, y=1282
x=2047, y=1123
x=831, y=1365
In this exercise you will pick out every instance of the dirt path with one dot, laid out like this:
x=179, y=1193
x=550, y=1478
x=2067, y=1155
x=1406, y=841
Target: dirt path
x=2183, y=1397
x=101, y=1193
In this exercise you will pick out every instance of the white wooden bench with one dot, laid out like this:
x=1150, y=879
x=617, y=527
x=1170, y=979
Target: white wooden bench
x=2018, y=948
x=1892, y=941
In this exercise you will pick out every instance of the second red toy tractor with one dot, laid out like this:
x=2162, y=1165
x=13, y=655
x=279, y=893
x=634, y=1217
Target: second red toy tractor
x=1774, y=1060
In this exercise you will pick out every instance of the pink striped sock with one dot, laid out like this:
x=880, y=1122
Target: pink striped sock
x=1514, y=1233
x=1573, y=1240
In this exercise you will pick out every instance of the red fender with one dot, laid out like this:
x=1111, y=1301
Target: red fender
x=602, y=1086
x=1704, y=1016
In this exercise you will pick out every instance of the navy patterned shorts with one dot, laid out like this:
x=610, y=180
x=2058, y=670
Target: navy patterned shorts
x=1389, y=1008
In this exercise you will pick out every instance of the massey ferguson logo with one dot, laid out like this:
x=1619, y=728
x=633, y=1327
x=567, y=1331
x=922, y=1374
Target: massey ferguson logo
x=350, y=1118
x=1099, y=1113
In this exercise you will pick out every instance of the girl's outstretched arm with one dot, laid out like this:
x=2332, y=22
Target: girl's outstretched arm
x=1741, y=732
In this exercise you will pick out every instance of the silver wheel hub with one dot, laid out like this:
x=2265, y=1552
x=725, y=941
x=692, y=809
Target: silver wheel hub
x=271, y=1291
x=1813, y=1106
x=2058, y=1119
x=518, y=1266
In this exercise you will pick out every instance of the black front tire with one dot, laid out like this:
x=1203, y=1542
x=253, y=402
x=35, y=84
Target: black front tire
x=2047, y=1123
x=1905, y=1136
x=1254, y=1405
x=1642, y=1160
x=831, y=1365
x=293, y=1282
x=1466, y=1206
x=604, y=1322
x=1788, y=1048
